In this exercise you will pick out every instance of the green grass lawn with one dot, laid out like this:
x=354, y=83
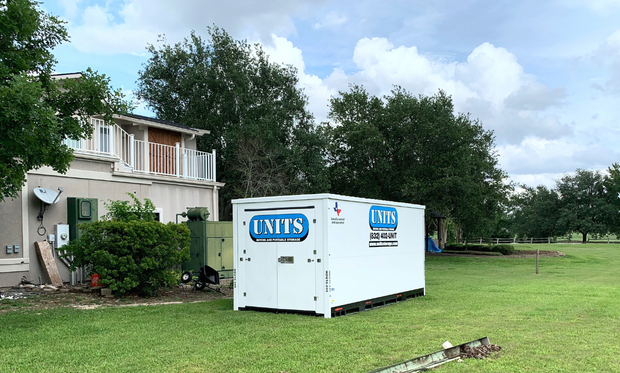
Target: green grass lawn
x=566, y=319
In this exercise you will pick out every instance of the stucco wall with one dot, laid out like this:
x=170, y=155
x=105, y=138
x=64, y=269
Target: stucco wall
x=167, y=194
x=11, y=226
x=174, y=199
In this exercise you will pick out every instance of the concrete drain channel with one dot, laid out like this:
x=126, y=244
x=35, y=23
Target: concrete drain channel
x=478, y=348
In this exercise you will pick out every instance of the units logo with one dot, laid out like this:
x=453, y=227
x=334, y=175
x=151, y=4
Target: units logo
x=279, y=228
x=383, y=218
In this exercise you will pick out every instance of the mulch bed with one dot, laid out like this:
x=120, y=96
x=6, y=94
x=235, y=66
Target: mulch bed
x=20, y=298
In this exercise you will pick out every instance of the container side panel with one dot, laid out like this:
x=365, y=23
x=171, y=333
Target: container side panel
x=374, y=250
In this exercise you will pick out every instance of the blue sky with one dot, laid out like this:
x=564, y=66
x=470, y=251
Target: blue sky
x=544, y=75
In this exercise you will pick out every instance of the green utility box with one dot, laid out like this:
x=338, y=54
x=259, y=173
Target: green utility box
x=220, y=244
x=80, y=210
x=210, y=243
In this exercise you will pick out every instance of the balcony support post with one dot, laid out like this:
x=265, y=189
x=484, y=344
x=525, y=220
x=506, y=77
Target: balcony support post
x=213, y=164
x=178, y=153
x=132, y=152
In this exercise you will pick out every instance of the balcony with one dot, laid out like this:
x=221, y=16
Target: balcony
x=145, y=157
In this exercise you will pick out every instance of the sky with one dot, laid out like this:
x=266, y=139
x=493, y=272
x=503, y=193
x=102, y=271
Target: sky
x=543, y=75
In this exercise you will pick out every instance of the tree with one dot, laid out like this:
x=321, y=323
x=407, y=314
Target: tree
x=265, y=139
x=612, y=189
x=583, y=203
x=417, y=150
x=37, y=112
x=535, y=212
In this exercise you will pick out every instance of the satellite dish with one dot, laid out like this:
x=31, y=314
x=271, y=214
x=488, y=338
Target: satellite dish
x=47, y=196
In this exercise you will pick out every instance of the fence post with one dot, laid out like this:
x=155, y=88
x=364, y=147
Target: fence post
x=531, y=240
x=132, y=152
x=548, y=239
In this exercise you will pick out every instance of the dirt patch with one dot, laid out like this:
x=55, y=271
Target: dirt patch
x=479, y=352
x=20, y=298
x=516, y=254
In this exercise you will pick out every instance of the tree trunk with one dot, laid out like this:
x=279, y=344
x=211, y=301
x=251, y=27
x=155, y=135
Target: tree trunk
x=584, y=237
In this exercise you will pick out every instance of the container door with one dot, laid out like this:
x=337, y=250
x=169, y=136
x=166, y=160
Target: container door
x=297, y=263
x=261, y=271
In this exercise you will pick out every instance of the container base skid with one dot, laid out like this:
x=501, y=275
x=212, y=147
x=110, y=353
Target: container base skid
x=375, y=302
x=277, y=310
x=351, y=307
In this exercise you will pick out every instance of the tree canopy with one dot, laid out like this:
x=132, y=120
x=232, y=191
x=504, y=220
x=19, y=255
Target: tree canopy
x=584, y=207
x=415, y=149
x=265, y=139
x=535, y=212
x=37, y=111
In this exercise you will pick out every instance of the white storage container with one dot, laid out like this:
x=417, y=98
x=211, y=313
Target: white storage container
x=326, y=254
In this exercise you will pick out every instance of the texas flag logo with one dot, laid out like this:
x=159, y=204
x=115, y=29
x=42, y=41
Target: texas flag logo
x=337, y=209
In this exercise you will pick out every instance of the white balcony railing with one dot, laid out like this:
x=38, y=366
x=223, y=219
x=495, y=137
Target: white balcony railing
x=145, y=157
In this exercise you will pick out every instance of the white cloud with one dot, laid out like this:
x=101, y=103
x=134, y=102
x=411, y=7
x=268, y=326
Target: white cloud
x=490, y=84
x=608, y=57
x=108, y=30
x=318, y=90
x=533, y=180
x=493, y=73
x=599, y=7
x=98, y=35
x=331, y=20
x=539, y=156
x=71, y=7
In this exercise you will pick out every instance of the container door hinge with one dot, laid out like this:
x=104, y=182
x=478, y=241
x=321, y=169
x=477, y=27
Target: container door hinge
x=244, y=294
x=315, y=298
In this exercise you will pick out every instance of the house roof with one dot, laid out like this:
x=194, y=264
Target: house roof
x=67, y=75
x=160, y=123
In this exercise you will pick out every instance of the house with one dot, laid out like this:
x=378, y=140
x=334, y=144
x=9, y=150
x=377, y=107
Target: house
x=148, y=157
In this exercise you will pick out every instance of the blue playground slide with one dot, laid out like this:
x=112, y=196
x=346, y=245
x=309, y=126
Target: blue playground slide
x=430, y=246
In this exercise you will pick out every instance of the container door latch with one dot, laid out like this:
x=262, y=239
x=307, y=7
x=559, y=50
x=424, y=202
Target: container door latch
x=286, y=259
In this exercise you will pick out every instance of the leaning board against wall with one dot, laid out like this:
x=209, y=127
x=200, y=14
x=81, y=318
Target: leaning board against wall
x=326, y=254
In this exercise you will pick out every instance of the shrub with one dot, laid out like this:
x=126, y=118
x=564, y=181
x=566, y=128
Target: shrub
x=487, y=253
x=504, y=249
x=131, y=254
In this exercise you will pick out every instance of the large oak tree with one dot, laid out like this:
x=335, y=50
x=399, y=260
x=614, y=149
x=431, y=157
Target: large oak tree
x=37, y=111
x=584, y=203
x=265, y=139
x=416, y=149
